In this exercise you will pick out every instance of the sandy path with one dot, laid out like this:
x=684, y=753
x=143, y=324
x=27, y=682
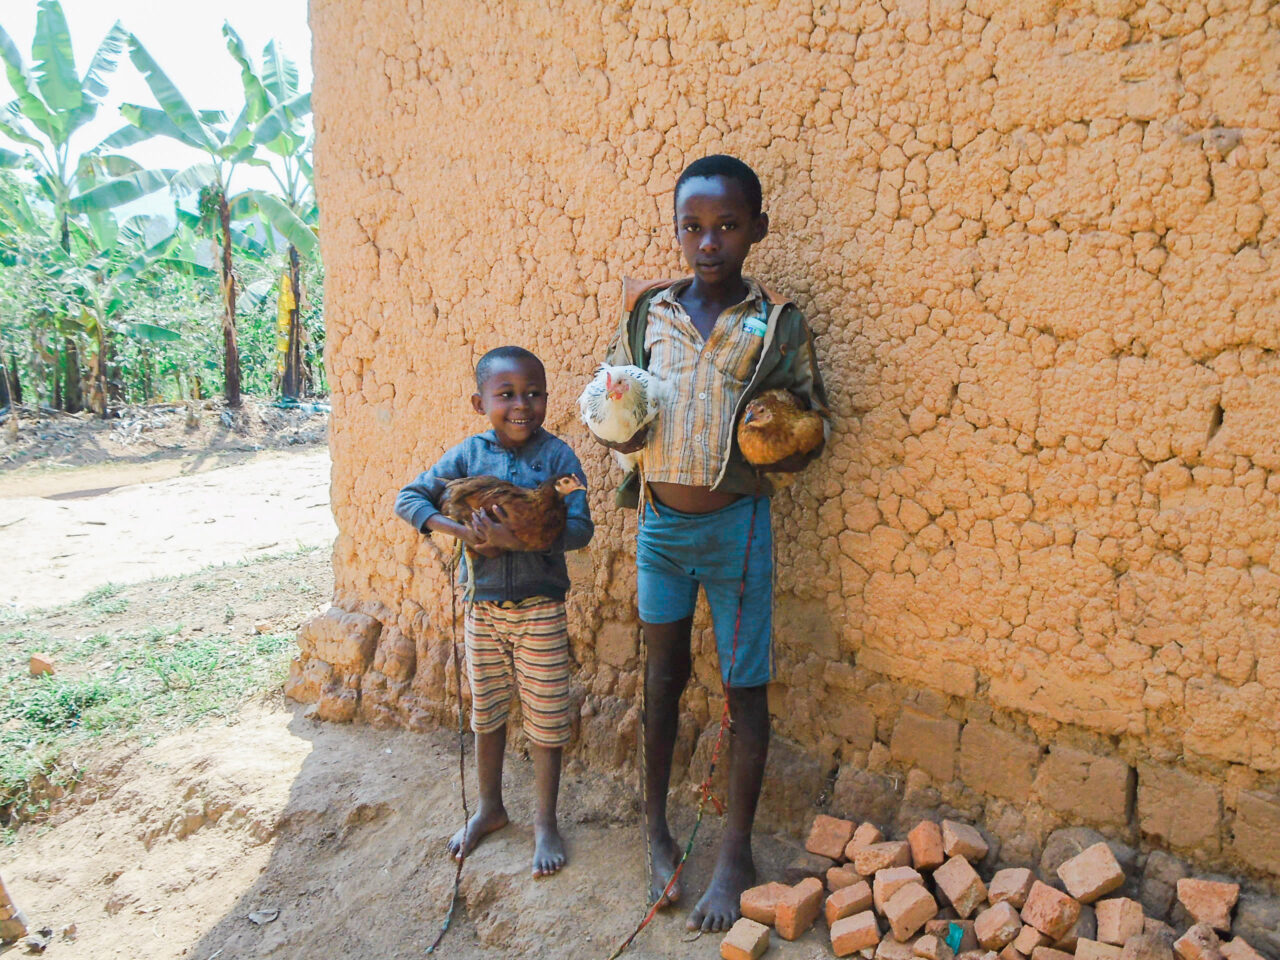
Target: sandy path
x=62, y=547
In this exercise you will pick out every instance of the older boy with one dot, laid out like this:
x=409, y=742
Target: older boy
x=720, y=338
x=516, y=634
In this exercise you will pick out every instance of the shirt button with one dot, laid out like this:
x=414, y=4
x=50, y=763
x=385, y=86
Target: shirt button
x=702, y=396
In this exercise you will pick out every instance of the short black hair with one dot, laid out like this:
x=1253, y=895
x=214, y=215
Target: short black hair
x=484, y=369
x=731, y=168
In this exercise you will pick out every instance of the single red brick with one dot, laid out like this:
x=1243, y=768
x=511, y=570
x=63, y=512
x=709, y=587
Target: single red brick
x=1048, y=953
x=847, y=901
x=1008, y=953
x=1050, y=911
x=909, y=909
x=842, y=876
x=1198, y=943
x=1092, y=873
x=1011, y=886
x=798, y=908
x=932, y=947
x=864, y=836
x=759, y=903
x=40, y=664
x=1087, y=949
x=878, y=856
x=1209, y=902
x=925, y=840
x=829, y=836
x=960, y=884
x=746, y=940
x=1239, y=949
x=997, y=926
x=888, y=881
x=1028, y=939
x=854, y=933
x=962, y=840
x=1118, y=919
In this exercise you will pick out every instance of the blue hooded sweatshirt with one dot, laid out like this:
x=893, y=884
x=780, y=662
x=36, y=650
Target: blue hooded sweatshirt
x=514, y=575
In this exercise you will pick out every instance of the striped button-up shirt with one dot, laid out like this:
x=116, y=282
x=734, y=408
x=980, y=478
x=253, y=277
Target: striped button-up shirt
x=690, y=439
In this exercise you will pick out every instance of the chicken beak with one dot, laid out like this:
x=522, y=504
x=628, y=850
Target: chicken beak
x=748, y=417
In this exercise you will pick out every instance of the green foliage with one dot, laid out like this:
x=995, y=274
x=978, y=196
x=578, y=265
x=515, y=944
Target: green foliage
x=58, y=704
x=134, y=308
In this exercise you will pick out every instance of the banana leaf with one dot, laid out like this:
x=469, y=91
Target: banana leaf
x=287, y=223
x=149, y=332
x=279, y=74
x=55, y=63
x=173, y=103
x=121, y=190
x=32, y=109
x=255, y=94
x=281, y=119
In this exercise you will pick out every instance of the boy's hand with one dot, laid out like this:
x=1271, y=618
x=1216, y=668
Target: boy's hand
x=636, y=442
x=494, y=536
x=792, y=464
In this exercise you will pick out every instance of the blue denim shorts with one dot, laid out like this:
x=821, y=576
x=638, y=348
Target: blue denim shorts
x=676, y=552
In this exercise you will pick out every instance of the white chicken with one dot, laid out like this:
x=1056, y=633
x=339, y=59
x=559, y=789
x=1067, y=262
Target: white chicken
x=618, y=402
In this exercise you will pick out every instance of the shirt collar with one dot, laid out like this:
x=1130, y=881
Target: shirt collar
x=491, y=437
x=755, y=293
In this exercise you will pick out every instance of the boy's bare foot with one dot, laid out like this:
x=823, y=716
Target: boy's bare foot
x=664, y=857
x=482, y=823
x=548, y=850
x=719, y=907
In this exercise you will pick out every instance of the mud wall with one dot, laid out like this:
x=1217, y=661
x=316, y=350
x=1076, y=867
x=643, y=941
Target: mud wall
x=1036, y=577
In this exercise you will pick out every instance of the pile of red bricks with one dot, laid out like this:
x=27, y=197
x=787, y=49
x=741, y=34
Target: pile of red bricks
x=923, y=897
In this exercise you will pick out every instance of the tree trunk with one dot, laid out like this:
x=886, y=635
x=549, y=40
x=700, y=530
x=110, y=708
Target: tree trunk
x=73, y=395
x=291, y=384
x=5, y=399
x=98, y=378
x=231, y=353
x=15, y=384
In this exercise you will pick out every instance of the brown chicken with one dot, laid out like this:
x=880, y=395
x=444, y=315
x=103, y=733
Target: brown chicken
x=535, y=516
x=773, y=427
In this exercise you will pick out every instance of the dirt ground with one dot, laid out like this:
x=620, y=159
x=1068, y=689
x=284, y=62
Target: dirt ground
x=85, y=502
x=170, y=844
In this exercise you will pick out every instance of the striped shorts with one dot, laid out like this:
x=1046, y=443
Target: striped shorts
x=522, y=644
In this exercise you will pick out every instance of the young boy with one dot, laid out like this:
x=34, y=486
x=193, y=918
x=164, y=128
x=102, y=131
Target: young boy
x=515, y=629
x=720, y=338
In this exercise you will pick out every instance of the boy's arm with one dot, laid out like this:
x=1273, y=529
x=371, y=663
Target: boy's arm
x=806, y=383
x=417, y=501
x=578, y=528
x=619, y=354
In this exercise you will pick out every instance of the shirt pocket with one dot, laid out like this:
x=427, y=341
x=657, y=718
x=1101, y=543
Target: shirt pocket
x=739, y=356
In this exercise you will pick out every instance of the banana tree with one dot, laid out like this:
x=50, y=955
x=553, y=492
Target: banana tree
x=226, y=147
x=111, y=258
x=275, y=110
x=52, y=102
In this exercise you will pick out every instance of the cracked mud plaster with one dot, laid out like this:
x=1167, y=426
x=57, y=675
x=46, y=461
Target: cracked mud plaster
x=1037, y=243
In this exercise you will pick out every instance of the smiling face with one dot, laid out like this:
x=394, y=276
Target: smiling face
x=716, y=228
x=514, y=398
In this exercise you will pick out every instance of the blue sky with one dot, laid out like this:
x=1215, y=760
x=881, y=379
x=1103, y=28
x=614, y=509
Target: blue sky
x=185, y=38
